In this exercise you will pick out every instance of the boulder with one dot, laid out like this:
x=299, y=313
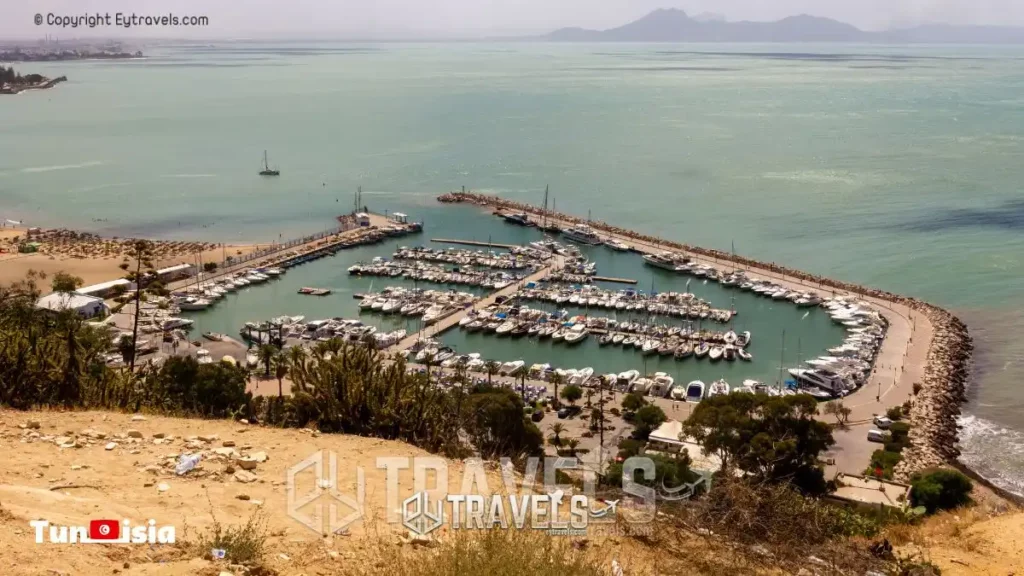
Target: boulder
x=245, y=477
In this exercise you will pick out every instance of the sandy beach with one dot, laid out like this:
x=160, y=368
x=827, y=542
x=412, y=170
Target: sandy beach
x=96, y=259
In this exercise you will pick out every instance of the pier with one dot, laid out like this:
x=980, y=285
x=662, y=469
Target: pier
x=613, y=280
x=452, y=320
x=474, y=243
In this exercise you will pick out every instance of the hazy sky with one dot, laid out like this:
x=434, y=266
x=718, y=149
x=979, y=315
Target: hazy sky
x=397, y=18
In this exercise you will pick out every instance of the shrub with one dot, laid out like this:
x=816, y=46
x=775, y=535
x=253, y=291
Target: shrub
x=209, y=266
x=241, y=544
x=940, y=489
x=894, y=413
x=884, y=461
x=899, y=431
x=917, y=388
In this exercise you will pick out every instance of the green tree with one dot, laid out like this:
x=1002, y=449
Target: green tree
x=266, y=354
x=491, y=367
x=647, y=419
x=495, y=424
x=633, y=402
x=142, y=251
x=64, y=283
x=940, y=489
x=772, y=438
x=837, y=409
x=280, y=371
x=572, y=393
x=557, y=429
x=556, y=379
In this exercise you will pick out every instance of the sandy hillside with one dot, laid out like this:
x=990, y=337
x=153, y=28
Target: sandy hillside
x=124, y=482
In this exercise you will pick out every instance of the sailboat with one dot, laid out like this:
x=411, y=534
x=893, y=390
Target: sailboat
x=266, y=167
x=545, y=225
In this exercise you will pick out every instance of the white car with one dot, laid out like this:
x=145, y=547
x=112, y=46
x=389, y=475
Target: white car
x=883, y=422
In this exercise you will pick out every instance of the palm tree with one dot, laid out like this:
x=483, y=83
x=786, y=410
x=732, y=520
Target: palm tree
x=266, y=355
x=492, y=367
x=297, y=363
x=556, y=430
x=572, y=443
x=280, y=370
x=555, y=380
x=429, y=361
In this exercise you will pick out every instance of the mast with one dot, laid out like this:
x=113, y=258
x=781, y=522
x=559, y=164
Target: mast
x=544, y=214
x=266, y=166
x=782, y=351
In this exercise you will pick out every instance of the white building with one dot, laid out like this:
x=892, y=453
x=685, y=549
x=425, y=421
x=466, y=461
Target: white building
x=106, y=289
x=173, y=273
x=86, y=306
x=363, y=219
x=669, y=439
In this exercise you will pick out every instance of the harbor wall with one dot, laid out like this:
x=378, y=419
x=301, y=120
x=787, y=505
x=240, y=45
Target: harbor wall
x=942, y=389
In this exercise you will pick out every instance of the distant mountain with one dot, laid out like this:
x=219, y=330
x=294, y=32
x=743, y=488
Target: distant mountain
x=673, y=25
x=709, y=17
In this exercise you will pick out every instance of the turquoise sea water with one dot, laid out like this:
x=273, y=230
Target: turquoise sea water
x=899, y=167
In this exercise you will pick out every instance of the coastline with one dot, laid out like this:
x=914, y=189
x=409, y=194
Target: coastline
x=49, y=83
x=938, y=359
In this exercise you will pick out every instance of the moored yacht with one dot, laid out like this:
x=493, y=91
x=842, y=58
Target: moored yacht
x=695, y=391
x=582, y=234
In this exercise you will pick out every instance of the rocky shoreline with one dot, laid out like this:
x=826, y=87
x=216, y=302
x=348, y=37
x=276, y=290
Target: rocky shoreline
x=936, y=404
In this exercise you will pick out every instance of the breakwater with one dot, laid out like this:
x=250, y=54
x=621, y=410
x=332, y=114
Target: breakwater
x=939, y=392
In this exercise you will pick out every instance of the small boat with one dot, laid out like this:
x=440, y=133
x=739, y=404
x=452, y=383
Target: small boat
x=475, y=325
x=266, y=167
x=702, y=350
x=203, y=356
x=678, y=392
x=625, y=379
x=512, y=368
x=663, y=384
x=605, y=340
x=667, y=348
x=618, y=338
x=718, y=387
x=629, y=340
x=651, y=347
x=214, y=336
x=744, y=355
x=576, y=335
x=730, y=337
x=716, y=353
x=695, y=391
x=581, y=377
x=683, y=351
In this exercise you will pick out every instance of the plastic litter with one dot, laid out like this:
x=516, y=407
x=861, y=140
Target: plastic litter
x=186, y=463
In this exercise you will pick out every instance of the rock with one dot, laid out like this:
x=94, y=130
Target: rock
x=228, y=443
x=32, y=425
x=62, y=440
x=225, y=573
x=244, y=477
x=208, y=438
x=77, y=466
x=134, y=434
x=159, y=435
x=110, y=446
x=259, y=456
x=138, y=418
x=163, y=487
x=229, y=470
x=242, y=496
x=247, y=463
x=152, y=469
x=147, y=484
x=226, y=452
x=243, y=421
x=283, y=557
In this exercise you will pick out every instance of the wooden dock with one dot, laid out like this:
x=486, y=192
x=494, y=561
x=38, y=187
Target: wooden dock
x=616, y=280
x=473, y=243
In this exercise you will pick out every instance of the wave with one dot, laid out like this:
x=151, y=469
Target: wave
x=995, y=452
x=60, y=167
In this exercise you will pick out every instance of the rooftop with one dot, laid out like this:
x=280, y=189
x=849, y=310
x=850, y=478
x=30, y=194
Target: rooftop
x=668, y=432
x=865, y=490
x=104, y=286
x=62, y=301
x=176, y=268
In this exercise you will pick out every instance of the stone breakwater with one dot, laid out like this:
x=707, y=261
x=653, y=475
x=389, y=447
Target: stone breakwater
x=936, y=404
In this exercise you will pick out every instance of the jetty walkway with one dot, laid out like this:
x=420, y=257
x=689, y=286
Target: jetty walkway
x=453, y=319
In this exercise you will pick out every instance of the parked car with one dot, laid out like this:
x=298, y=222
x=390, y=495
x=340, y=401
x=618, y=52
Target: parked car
x=878, y=436
x=883, y=422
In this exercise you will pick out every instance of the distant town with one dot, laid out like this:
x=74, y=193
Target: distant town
x=35, y=55
x=12, y=82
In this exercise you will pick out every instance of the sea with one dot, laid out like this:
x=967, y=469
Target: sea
x=898, y=167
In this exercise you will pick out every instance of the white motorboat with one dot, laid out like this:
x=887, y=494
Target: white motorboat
x=617, y=245
x=505, y=328
x=582, y=234
x=702, y=350
x=665, y=260
x=642, y=385
x=651, y=346
x=512, y=368
x=576, y=334
x=695, y=391
x=192, y=304
x=716, y=353
x=828, y=381
x=174, y=323
x=663, y=384
x=744, y=355
x=718, y=387
x=582, y=376
x=203, y=356
x=730, y=337
x=425, y=353
x=625, y=380
x=559, y=334
x=678, y=392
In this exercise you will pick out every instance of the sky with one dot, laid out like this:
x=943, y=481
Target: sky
x=471, y=18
